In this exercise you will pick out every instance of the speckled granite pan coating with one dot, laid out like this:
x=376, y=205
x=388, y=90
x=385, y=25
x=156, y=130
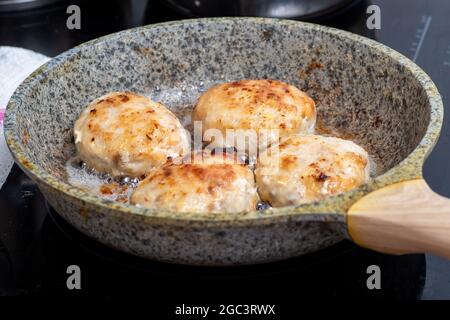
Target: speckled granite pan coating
x=364, y=91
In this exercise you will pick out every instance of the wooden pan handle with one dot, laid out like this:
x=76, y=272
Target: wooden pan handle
x=406, y=217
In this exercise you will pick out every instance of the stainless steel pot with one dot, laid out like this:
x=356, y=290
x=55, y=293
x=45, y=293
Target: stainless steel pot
x=261, y=8
x=16, y=5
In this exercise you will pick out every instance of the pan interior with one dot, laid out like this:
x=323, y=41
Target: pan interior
x=362, y=94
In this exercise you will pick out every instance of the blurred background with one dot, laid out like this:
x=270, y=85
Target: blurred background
x=26, y=22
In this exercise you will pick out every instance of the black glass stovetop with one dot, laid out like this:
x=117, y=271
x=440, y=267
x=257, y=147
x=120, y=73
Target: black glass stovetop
x=36, y=246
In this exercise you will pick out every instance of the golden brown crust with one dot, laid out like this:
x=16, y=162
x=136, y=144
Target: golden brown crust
x=258, y=105
x=123, y=133
x=308, y=168
x=211, y=183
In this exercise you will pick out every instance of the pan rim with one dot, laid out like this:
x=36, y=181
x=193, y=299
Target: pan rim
x=331, y=208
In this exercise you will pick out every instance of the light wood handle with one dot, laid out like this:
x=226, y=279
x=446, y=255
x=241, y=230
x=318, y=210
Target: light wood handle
x=406, y=217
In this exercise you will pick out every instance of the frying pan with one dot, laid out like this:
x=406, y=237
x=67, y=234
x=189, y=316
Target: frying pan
x=364, y=91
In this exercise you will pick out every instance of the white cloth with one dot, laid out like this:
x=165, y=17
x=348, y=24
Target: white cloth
x=15, y=65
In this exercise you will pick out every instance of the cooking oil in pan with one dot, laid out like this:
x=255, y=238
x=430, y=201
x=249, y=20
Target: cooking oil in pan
x=181, y=100
x=100, y=184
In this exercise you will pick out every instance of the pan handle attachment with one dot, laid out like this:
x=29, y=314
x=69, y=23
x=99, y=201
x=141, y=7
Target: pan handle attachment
x=407, y=217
